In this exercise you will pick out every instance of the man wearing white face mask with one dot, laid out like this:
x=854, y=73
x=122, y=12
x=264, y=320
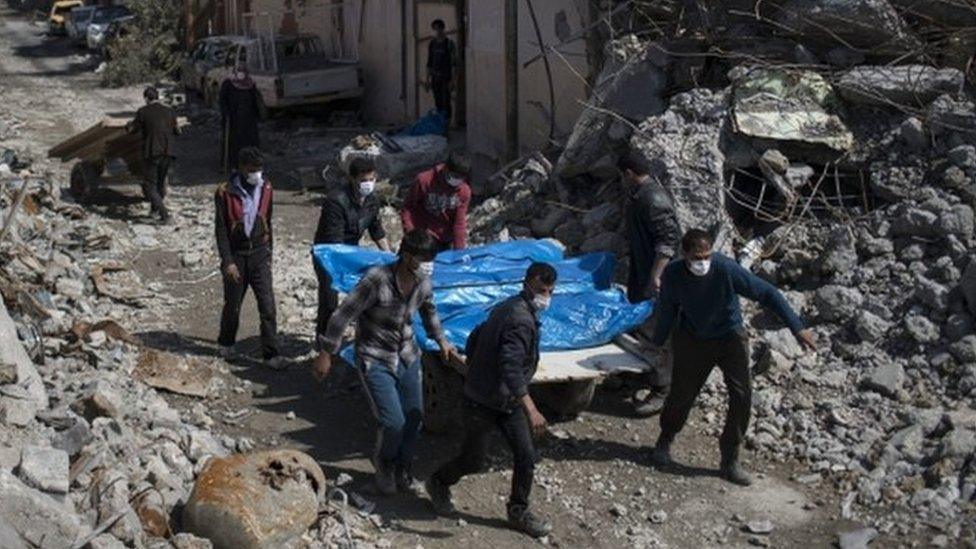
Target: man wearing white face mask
x=244, y=240
x=387, y=356
x=347, y=214
x=699, y=303
x=502, y=356
x=438, y=203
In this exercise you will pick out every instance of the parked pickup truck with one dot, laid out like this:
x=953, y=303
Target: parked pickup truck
x=295, y=72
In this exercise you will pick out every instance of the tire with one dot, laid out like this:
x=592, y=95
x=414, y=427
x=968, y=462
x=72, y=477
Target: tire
x=565, y=400
x=84, y=180
x=442, y=396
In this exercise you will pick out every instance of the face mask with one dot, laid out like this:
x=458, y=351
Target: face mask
x=542, y=302
x=240, y=75
x=366, y=187
x=424, y=269
x=255, y=178
x=454, y=181
x=699, y=267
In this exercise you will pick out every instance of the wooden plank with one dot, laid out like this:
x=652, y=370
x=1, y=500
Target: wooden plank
x=84, y=144
x=583, y=364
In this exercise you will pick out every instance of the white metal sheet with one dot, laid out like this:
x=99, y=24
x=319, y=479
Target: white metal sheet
x=583, y=364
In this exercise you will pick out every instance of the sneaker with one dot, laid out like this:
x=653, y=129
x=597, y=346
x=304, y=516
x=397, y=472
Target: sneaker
x=661, y=454
x=226, y=351
x=406, y=484
x=651, y=406
x=440, y=496
x=385, y=481
x=734, y=473
x=523, y=520
x=276, y=362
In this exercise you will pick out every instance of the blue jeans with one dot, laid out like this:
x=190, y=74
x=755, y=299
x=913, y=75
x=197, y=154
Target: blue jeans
x=397, y=402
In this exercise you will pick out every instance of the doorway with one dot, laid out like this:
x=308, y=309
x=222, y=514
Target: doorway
x=453, y=13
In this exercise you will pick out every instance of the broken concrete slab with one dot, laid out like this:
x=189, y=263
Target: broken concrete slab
x=788, y=105
x=31, y=394
x=857, y=539
x=873, y=25
x=416, y=153
x=99, y=400
x=38, y=518
x=898, y=86
x=44, y=468
x=184, y=375
x=255, y=501
x=886, y=379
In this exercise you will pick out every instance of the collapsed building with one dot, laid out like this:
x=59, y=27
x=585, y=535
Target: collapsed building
x=831, y=147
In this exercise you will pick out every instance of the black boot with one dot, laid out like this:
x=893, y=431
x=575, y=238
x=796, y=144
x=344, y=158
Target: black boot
x=730, y=468
x=440, y=496
x=653, y=405
x=661, y=453
x=523, y=520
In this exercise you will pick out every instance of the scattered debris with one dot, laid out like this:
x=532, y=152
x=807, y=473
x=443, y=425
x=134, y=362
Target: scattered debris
x=184, y=375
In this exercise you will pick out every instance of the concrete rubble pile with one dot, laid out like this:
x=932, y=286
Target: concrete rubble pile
x=834, y=153
x=91, y=454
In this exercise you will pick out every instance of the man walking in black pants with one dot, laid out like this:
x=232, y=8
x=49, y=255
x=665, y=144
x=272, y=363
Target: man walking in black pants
x=503, y=354
x=157, y=124
x=702, y=292
x=244, y=239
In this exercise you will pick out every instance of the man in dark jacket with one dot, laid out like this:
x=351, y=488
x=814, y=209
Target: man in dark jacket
x=242, y=226
x=699, y=308
x=157, y=124
x=347, y=214
x=652, y=228
x=503, y=354
x=442, y=60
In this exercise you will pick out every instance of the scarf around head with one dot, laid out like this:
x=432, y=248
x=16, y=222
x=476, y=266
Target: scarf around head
x=245, y=83
x=250, y=199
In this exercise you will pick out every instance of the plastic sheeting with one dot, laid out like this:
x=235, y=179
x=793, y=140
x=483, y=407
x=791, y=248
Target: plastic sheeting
x=586, y=310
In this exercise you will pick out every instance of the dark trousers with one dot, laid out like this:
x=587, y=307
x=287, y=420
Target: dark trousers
x=479, y=421
x=154, y=182
x=695, y=359
x=328, y=301
x=659, y=374
x=255, y=269
x=440, y=87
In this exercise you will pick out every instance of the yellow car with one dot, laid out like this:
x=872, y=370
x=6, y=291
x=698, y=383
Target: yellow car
x=60, y=10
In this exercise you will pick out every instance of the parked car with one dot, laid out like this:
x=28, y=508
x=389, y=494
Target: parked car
x=205, y=56
x=117, y=28
x=76, y=24
x=100, y=20
x=296, y=71
x=60, y=10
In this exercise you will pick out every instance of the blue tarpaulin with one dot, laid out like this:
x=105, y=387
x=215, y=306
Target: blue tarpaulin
x=586, y=309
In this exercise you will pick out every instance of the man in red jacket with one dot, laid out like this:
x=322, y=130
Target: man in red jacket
x=438, y=203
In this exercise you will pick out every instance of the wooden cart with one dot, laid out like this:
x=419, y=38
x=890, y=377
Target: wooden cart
x=93, y=149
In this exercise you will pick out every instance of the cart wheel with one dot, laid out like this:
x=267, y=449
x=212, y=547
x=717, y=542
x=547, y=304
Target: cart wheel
x=567, y=399
x=442, y=395
x=84, y=180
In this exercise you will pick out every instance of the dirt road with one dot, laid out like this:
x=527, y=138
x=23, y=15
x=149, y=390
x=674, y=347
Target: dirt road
x=592, y=481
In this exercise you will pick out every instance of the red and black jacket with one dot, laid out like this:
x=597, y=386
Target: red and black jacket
x=229, y=223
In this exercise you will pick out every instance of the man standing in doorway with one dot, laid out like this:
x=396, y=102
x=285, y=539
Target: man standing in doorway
x=503, y=354
x=442, y=61
x=652, y=229
x=438, y=203
x=699, y=308
x=157, y=124
x=387, y=356
x=346, y=214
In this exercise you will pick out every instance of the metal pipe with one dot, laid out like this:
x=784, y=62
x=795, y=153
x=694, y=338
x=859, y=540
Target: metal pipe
x=545, y=61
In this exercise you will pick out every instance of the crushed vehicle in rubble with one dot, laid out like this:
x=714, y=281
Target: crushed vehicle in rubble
x=581, y=330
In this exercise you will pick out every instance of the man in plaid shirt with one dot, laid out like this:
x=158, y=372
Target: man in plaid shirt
x=387, y=356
